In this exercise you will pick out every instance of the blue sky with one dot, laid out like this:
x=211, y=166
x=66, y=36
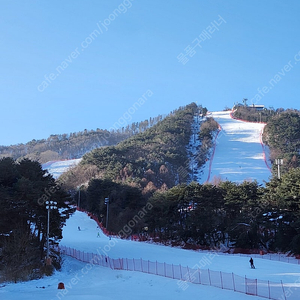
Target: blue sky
x=72, y=65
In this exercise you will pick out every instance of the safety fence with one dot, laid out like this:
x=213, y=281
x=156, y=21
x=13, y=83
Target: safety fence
x=270, y=256
x=185, y=275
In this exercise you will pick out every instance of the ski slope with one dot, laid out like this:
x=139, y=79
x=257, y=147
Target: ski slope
x=101, y=283
x=84, y=281
x=238, y=154
x=56, y=168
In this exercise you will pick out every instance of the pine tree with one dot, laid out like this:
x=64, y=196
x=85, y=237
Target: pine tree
x=24, y=189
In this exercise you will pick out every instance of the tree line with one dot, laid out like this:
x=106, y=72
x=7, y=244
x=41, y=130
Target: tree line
x=282, y=135
x=24, y=189
x=244, y=215
x=250, y=114
x=76, y=144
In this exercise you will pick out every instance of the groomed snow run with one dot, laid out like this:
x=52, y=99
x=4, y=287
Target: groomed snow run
x=238, y=154
x=56, y=168
x=89, y=282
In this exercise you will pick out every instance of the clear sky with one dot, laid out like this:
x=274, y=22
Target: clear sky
x=72, y=65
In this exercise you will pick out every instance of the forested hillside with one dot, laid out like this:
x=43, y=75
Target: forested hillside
x=155, y=159
x=282, y=135
x=75, y=145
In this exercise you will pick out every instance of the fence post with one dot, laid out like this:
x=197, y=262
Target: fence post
x=199, y=272
x=142, y=265
x=221, y=279
x=173, y=271
x=283, y=290
x=148, y=266
x=233, y=281
x=133, y=265
x=180, y=271
x=110, y=263
x=165, y=269
x=255, y=287
x=269, y=289
x=188, y=270
x=209, y=277
x=156, y=268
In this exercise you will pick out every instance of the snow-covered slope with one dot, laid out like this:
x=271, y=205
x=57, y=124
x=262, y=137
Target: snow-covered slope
x=99, y=283
x=87, y=240
x=86, y=281
x=239, y=154
x=56, y=168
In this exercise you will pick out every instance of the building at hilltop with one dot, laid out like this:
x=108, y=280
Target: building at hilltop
x=257, y=107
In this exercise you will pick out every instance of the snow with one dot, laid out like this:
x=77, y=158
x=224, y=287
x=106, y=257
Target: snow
x=56, y=168
x=239, y=154
x=84, y=281
x=101, y=283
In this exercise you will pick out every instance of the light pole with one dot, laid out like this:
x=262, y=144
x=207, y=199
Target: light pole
x=78, y=196
x=279, y=162
x=49, y=205
x=107, y=207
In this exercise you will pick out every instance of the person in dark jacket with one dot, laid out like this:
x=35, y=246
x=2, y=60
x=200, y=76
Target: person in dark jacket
x=252, y=263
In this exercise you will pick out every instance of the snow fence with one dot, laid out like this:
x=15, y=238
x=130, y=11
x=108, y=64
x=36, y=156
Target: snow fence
x=186, y=275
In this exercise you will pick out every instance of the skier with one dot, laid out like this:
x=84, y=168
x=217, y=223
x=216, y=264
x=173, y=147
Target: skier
x=251, y=263
x=98, y=235
x=78, y=228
